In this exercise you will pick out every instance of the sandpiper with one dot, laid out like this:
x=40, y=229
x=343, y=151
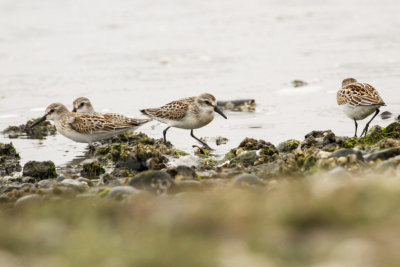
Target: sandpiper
x=358, y=101
x=187, y=113
x=84, y=128
x=82, y=105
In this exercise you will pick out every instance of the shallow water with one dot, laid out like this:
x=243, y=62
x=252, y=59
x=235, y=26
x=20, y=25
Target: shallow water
x=128, y=55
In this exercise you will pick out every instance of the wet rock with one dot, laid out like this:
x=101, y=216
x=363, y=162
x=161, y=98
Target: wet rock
x=28, y=200
x=39, y=132
x=245, y=159
x=221, y=140
x=253, y=144
x=9, y=159
x=75, y=185
x=288, y=146
x=40, y=169
x=47, y=183
x=388, y=143
x=298, y=83
x=393, y=130
x=344, y=152
x=9, y=187
x=246, y=180
x=92, y=169
x=384, y=154
x=182, y=172
x=386, y=115
x=157, y=182
x=325, y=140
x=60, y=178
x=119, y=192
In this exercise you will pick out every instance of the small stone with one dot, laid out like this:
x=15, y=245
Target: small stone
x=89, y=182
x=338, y=172
x=121, y=191
x=40, y=169
x=344, y=152
x=47, y=183
x=60, y=178
x=298, y=83
x=158, y=182
x=246, y=180
x=76, y=185
x=386, y=115
x=182, y=172
x=28, y=199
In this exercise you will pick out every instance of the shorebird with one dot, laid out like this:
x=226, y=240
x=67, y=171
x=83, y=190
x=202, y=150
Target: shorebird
x=187, y=113
x=358, y=101
x=84, y=128
x=82, y=105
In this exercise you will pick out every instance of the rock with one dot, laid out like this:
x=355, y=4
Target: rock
x=9, y=159
x=47, y=183
x=92, y=169
x=245, y=159
x=344, y=152
x=338, y=172
x=221, y=140
x=40, y=169
x=388, y=165
x=121, y=191
x=238, y=105
x=182, y=172
x=158, y=182
x=85, y=180
x=74, y=184
x=386, y=115
x=393, y=130
x=384, y=154
x=266, y=171
x=298, y=83
x=253, y=144
x=60, y=178
x=288, y=146
x=246, y=180
x=325, y=140
x=42, y=130
x=27, y=200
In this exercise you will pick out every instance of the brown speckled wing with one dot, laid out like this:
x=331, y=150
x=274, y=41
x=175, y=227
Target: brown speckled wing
x=175, y=110
x=88, y=124
x=118, y=118
x=359, y=94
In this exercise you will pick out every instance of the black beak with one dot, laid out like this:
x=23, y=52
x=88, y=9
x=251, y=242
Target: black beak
x=219, y=111
x=74, y=110
x=39, y=121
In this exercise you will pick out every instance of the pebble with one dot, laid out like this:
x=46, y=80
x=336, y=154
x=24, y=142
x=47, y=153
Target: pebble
x=28, y=199
x=124, y=190
x=74, y=184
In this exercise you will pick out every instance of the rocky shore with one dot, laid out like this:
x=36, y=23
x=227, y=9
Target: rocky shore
x=133, y=164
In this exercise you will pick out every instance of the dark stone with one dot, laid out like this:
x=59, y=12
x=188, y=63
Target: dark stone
x=298, y=83
x=344, y=152
x=245, y=159
x=182, y=173
x=386, y=115
x=92, y=170
x=384, y=154
x=157, y=182
x=40, y=169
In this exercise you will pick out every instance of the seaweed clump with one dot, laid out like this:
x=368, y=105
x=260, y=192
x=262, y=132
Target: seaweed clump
x=42, y=130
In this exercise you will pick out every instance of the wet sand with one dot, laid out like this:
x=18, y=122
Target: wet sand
x=129, y=55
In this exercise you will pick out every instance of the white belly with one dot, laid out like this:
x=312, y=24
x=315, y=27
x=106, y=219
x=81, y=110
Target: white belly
x=86, y=138
x=358, y=112
x=189, y=122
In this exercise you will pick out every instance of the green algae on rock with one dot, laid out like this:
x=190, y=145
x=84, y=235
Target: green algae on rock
x=40, y=169
x=9, y=159
x=92, y=169
x=288, y=146
x=24, y=130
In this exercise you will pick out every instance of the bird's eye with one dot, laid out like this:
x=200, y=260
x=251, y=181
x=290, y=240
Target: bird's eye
x=51, y=110
x=208, y=102
x=81, y=104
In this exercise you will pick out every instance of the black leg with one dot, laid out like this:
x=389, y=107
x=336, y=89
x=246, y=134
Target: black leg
x=355, y=122
x=204, y=144
x=92, y=148
x=366, y=126
x=165, y=135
